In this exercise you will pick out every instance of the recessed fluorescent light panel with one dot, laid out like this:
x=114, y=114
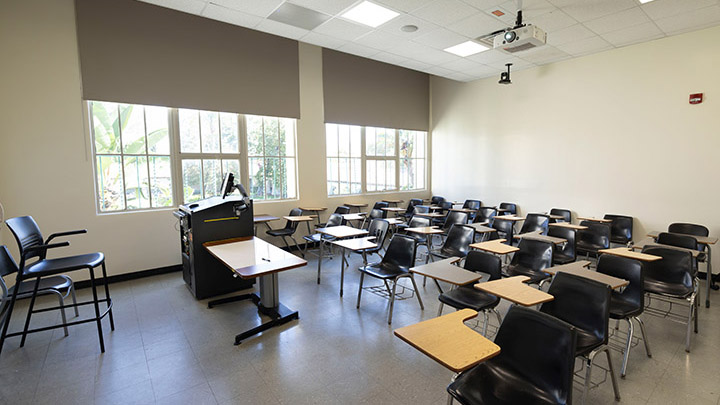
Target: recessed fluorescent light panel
x=370, y=14
x=298, y=16
x=467, y=48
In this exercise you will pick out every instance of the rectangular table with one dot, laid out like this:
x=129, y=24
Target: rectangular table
x=358, y=206
x=515, y=290
x=252, y=257
x=263, y=219
x=625, y=252
x=301, y=218
x=356, y=245
x=428, y=231
x=580, y=268
x=495, y=246
x=447, y=340
x=593, y=219
x=430, y=215
x=316, y=210
x=396, y=202
x=445, y=270
x=338, y=232
x=536, y=235
x=568, y=225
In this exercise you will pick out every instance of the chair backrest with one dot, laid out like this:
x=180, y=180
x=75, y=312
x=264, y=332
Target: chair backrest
x=533, y=254
x=505, y=230
x=436, y=200
x=455, y=218
x=484, y=262
x=446, y=205
x=472, y=204
x=418, y=222
x=7, y=264
x=485, y=214
x=334, y=220
x=581, y=302
x=630, y=270
x=535, y=222
x=421, y=209
x=674, y=270
x=568, y=248
x=458, y=240
x=621, y=228
x=411, y=205
x=546, y=356
x=377, y=214
x=566, y=214
x=678, y=239
x=27, y=234
x=341, y=209
x=295, y=212
x=380, y=205
x=595, y=234
x=509, y=206
x=690, y=229
x=400, y=252
x=378, y=228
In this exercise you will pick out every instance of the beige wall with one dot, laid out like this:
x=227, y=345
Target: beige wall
x=606, y=133
x=45, y=164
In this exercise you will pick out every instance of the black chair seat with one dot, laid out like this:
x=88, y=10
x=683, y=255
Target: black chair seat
x=46, y=283
x=468, y=296
x=448, y=252
x=501, y=385
x=281, y=232
x=49, y=267
x=586, y=342
x=669, y=289
x=535, y=276
x=559, y=258
x=384, y=270
x=621, y=308
x=589, y=247
x=619, y=240
x=315, y=238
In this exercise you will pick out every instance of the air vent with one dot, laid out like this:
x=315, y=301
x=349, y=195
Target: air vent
x=523, y=47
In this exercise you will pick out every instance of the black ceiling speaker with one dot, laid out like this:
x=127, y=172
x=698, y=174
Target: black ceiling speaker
x=505, y=76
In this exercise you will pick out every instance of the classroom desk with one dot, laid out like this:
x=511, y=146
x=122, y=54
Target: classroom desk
x=502, y=210
x=625, y=252
x=430, y=215
x=428, y=231
x=495, y=246
x=447, y=340
x=568, y=225
x=301, y=218
x=435, y=208
x=511, y=217
x=396, y=210
x=251, y=257
x=580, y=268
x=515, y=290
x=536, y=235
x=703, y=240
x=360, y=216
x=338, y=232
x=356, y=245
x=555, y=217
x=263, y=219
x=593, y=219
x=465, y=210
x=639, y=245
x=445, y=270
x=357, y=206
x=395, y=202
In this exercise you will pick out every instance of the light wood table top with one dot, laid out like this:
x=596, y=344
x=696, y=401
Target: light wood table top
x=625, y=252
x=538, y=236
x=501, y=209
x=314, y=209
x=354, y=217
x=260, y=218
x=430, y=214
x=393, y=209
x=445, y=270
x=425, y=230
x=514, y=289
x=703, y=240
x=467, y=210
x=357, y=243
x=639, y=245
x=394, y=221
x=513, y=218
x=355, y=205
x=342, y=231
x=447, y=340
x=300, y=218
x=553, y=216
x=495, y=246
x=435, y=207
x=592, y=219
x=580, y=268
x=480, y=227
x=252, y=257
x=568, y=225
x=394, y=201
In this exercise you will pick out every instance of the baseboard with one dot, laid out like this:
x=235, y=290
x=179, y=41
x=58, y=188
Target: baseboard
x=132, y=276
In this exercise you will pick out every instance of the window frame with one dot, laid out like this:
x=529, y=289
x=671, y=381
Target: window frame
x=242, y=118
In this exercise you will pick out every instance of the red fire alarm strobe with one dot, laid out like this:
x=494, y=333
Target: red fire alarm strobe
x=696, y=98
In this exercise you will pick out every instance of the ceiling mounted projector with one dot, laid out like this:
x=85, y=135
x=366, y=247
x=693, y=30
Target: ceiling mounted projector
x=520, y=39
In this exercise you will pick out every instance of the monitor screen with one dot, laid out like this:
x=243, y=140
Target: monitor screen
x=228, y=185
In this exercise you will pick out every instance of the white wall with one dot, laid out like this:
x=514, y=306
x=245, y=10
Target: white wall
x=607, y=133
x=45, y=163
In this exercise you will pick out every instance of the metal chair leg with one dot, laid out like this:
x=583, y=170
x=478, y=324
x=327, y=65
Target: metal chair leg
x=392, y=301
x=74, y=298
x=499, y=318
x=107, y=296
x=485, y=323
x=440, y=308
x=97, y=310
x=30, y=311
x=626, y=351
x=644, y=335
x=62, y=309
x=616, y=389
x=417, y=292
x=450, y=400
x=362, y=276
x=691, y=313
x=588, y=374
x=8, y=314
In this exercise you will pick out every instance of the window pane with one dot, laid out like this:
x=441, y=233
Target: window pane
x=290, y=176
x=192, y=180
x=344, y=141
x=256, y=171
x=110, y=183
x=380, y=142
x=405, y=174
x=389, y=175
x=158, y=138
x=212, y=177
x=229, y=133
x=254, y=135
x=333, y=170
x=232, y=166
x=106, y=128
x=210, y=131
x=419, y=166
x=355, y=174
x=272, y=140
x=389, y=142
x=133, y=128
x=370, y=179
x=160, y=181
x=344, y=165
x=370, y=141
x=189, y=131
x=420, y=144
x=331, y=135
x=137, y=194
x=355, y=140
x=333, y=188
x=275, y=176
x=287, y=133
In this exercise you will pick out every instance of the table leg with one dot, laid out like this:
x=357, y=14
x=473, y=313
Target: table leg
x=342, y=270
x=320, y=256
x=709, y=277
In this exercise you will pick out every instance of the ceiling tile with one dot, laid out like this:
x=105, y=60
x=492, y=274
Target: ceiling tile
x=415, y=65
x=281, y=29
x=445, y=12
x=543, y=55
x=585, y=46
x=357, y=49
x=493, y=55
x=618, y=21
x=461, y=64
x=482, y=70
x=478, y=24
x=404, y=5
x=569, y=34
x=393, y=26
x=553, y=21
x=484, y=4
x=380, y=40
x=391, y=58
x=439, y=71
x=586, y=10
x=231, y=16
x=667, y=8
x=254, y=7
x=342, y=29
x=426, y=54
x=325, y=6
x=508, y=17
x=696, y=19
x=187, y=6
x=518, y=63
x=298, y=16
x=461, y=77
x=638, y=33
x=530, y=8
x=322, y=40
x=441, y=39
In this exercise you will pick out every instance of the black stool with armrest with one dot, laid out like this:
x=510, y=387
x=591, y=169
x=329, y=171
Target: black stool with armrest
x=535, y=365
x=31, y=245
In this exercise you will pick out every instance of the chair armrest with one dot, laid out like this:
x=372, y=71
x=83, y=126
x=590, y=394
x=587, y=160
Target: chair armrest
x=67, y=233
x=34, y=249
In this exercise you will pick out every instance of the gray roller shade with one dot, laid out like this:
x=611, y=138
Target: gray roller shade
x=361, y=91
x=135, y=52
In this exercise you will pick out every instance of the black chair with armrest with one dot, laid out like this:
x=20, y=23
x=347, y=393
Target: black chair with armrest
x=628, y=304
x=457, y=243
x=533, y=257
x=373, y=214
x=683, y=241
x=563, y=253
x=505, y=230
x=333, y=220
x=380, y=205
x=341, y=209
x=473, y=205
x=596, y=237
x=31, y=246
x=532, y=368
x=467, y=296
x=411, y=207
x=535, y=223
x=379, y=229
x=437, y=200
x=566, y=214
x=510, y=207
x=695, y=230
x=585, y=304
x=485, y=214
x=399, y=258
x=621, y=228
x=672, y=280
x=288, y=231
x=445, y=210
x=454, y=218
